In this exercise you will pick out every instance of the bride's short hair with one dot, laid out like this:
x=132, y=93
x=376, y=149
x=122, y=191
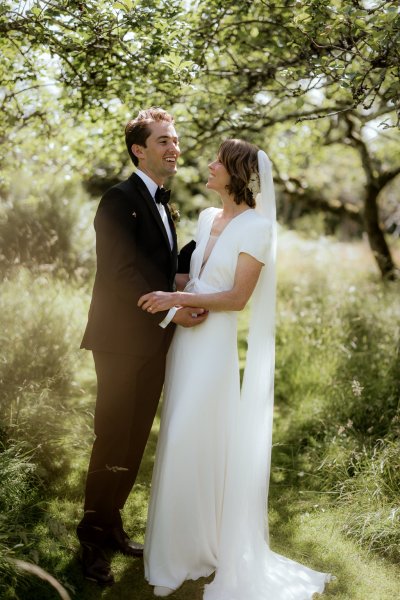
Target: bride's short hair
x=240, y=160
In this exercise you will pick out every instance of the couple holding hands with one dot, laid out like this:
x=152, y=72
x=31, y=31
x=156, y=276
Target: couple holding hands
x=159, y=318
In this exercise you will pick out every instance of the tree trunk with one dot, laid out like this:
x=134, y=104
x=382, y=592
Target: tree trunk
x=376, y=238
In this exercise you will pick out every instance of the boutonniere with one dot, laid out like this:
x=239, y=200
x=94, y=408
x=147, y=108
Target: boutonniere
x=174, y=212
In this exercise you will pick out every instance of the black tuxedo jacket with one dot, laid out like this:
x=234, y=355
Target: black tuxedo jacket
x=133, y=257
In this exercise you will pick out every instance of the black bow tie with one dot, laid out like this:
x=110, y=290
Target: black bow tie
x=162, y=195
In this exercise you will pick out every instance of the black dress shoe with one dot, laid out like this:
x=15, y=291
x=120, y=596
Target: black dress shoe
x=119, y=540
x=95, y=565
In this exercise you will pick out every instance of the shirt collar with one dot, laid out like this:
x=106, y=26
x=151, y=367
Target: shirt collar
x=149, y=183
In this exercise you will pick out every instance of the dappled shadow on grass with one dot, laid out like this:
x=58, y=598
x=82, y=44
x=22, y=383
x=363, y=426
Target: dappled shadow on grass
x=287, y=513
x=291, y=509
x=131, y=584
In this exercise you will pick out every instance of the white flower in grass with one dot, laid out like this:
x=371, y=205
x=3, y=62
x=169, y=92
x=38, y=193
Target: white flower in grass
x=357, y=388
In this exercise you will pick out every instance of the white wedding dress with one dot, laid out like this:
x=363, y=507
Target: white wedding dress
x=203, y=496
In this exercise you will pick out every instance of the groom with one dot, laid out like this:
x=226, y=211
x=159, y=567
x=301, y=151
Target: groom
x=136, y=253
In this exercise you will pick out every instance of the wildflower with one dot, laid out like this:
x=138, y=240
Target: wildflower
x=357, y=388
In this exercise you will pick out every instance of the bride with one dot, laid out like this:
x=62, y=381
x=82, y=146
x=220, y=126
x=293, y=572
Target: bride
x=208, y=501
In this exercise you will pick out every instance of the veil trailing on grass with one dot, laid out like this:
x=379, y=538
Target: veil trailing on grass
x=247, y=568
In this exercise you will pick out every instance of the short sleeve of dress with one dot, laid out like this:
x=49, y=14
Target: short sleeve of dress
x=256, y=239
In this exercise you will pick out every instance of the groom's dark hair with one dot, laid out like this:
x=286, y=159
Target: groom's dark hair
x=137, y=130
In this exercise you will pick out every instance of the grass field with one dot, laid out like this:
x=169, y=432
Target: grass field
x=335, y=488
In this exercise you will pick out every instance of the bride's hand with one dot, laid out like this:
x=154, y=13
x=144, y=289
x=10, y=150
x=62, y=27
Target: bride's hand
x=156, y=301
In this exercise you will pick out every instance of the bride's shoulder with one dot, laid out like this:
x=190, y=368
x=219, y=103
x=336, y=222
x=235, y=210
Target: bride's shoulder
x=208, y=213
x=210, y=210
x=258, y=219
x=258, y=227
x=255, y=236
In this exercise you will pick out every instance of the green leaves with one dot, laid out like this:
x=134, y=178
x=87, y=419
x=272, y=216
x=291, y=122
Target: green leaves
x=152, y=51
x=105, y=50
x=125, y=5
x=224, y=67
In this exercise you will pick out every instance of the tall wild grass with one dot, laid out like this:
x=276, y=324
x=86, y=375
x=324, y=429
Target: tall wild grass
x=46, y=253
x=338, y=384
x=41, y=319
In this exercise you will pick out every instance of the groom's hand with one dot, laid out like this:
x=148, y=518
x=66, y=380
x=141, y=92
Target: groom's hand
x=190, y=317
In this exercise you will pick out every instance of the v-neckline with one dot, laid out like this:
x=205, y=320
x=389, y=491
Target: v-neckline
x=203, y=266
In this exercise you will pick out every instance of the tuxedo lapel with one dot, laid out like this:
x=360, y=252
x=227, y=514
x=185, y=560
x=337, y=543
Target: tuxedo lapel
x=150, y=203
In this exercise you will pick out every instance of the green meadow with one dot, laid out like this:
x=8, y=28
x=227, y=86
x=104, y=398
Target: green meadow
x=335, y=483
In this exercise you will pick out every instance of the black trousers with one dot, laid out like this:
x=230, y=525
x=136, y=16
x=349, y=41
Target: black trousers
x=128, y=391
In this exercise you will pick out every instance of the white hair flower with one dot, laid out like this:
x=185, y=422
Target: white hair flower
x=254, y=184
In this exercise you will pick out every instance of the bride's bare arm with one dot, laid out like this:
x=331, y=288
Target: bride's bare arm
x=246, y=276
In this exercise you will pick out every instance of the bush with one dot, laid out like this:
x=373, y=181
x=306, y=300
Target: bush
x=51, y=229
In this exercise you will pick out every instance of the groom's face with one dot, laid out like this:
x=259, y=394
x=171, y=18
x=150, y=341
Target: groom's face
x=160, y=155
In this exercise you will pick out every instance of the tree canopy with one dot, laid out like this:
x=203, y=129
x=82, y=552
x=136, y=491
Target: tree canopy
x=268, y=70
x=244, y=64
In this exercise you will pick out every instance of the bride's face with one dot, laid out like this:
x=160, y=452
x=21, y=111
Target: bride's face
x=218, y=177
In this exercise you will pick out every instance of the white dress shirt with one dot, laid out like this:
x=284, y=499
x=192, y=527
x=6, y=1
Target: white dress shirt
x=152, y=187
